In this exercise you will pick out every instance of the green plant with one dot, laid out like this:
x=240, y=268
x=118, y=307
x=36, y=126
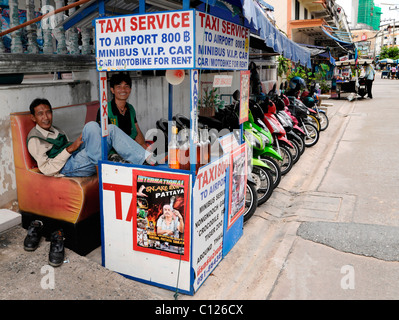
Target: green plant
x=211, y=99
x=302, y=73
x=282, y=66
x=390, y=53
x=321, y=72
x=324, y=86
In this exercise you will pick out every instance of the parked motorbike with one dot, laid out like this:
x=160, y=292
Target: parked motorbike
x=265, y=118
x=311, y=102
x=299, y=133
x=251, y=199
x=278, y=112
x=300, y=112
x=361, y=87
x=261, y=141
x=260, y=173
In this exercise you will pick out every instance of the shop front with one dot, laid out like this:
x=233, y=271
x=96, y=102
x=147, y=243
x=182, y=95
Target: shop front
x=160, y=225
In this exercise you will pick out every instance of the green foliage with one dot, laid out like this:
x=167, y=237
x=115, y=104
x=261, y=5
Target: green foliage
x=390, y=53
x=324, y=86
x=303, y=73
x=282, y=66
x=322, y=70
x=211, y=99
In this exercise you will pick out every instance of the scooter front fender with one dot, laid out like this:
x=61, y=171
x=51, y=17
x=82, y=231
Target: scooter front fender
x=296, y=127
x=284, y=140
x=259, y=163
x=269, y=151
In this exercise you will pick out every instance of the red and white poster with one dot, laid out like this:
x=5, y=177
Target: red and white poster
x=161, y=224
x=238, y=182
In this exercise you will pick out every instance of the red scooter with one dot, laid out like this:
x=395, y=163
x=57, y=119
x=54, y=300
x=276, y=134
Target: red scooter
x=277, y=130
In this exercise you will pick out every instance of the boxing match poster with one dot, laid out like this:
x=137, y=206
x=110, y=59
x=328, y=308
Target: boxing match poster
x=162, y=223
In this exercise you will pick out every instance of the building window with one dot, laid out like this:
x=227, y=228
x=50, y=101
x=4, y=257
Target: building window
x=306, y=14
x=297, y=7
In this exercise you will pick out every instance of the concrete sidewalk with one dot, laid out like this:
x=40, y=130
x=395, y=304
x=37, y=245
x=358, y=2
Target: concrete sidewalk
x=310, y=240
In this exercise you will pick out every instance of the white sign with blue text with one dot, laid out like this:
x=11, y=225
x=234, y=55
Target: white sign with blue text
x=220, y=44
x=162, y=40
x=186, y=39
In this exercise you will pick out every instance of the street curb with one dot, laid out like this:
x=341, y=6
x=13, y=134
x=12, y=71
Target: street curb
x=9, y=219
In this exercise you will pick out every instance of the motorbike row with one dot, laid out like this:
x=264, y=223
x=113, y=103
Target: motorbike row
x=278, y=130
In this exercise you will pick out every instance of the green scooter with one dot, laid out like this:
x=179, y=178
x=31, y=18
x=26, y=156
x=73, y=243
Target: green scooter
x=261, y=141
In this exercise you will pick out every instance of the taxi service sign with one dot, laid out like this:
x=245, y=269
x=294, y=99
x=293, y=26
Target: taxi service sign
x=147, y=41
x=185, y=39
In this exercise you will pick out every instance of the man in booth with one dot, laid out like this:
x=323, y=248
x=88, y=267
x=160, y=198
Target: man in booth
x=121, y=113
x=57, y=156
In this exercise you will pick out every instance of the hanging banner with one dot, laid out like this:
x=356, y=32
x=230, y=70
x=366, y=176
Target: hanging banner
x=238, y=183
x=194, y=75
x=163, y=40
x=220, y=44
x=208, y=218
x=162, y=223
x=104, y=103
x=244, y=95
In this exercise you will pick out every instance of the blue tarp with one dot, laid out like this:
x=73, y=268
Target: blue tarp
x=259, y=24
x=338, y=39
x=272, y=36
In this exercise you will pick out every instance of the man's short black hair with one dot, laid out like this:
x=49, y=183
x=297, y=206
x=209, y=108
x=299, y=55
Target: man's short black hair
x=37, y=102
x=118, y=78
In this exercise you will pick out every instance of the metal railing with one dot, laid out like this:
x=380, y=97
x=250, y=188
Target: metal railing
x=42, y=32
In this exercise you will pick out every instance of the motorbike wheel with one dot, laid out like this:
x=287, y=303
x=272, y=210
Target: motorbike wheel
x=300, y=141
x=312, y=135
x=264, y=183
x=301, y=137
x=274, y=170
x=314, y=120
x=323, y=121
x=251, y=201
x=286, y=163
x=296, y=153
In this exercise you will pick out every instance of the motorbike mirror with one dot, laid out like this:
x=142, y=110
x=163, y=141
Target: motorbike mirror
x=236, y=95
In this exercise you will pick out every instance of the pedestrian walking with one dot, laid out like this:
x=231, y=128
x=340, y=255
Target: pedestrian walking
x=370, y=76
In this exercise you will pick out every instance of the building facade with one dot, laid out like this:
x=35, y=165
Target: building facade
x=312, y=22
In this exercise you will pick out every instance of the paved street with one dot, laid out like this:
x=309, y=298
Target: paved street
x=329, y=231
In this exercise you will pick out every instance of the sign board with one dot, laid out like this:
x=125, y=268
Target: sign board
x=129, y=246
x=238, y=183
x=209, y=196
x=104, y=103
x=244, y=95
x=222, y=81
x=163, y=40
x=185, y=39
x=221, y=44
x=194, y=95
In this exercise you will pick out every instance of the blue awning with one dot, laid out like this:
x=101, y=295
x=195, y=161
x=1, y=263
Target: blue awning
x=259, y=24
x=319, y=51
x=255, y=15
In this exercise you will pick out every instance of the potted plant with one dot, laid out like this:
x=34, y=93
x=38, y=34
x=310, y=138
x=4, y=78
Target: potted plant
x=210, y=102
